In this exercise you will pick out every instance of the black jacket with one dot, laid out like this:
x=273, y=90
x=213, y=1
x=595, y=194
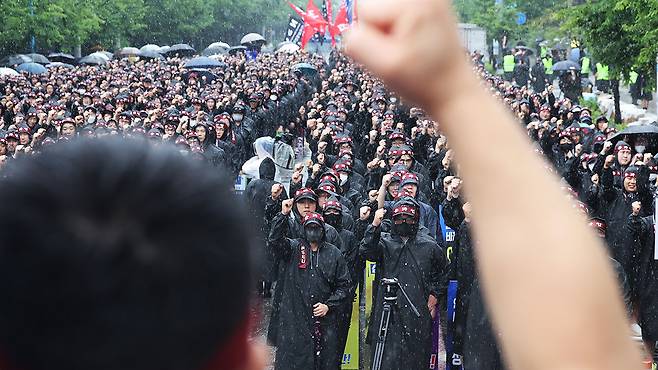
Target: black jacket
x=309, y=277
x=419, y=265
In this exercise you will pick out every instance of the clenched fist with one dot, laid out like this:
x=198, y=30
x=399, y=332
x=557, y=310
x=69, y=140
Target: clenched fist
x=379, y=217
x=286, y=206
x=277, y=189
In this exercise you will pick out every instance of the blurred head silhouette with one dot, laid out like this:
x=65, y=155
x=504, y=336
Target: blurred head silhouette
x=121, y=256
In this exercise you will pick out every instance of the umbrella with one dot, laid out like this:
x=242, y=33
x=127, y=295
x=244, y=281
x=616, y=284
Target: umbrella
x=38, y=58
x=288, y=48
x=222, y=45
x=525, y=48
x=236, y=49
x=566, y=65
x=164, y=49
x=150, y=55
x=127, y=52
x=181, y=49
x=8, y=72
x=214, y=50
x=305, y=68
x=93, y=60
x=198, y=73
x=252, y=38
x=61, y=57
x=150, y=47
x=203, y=62
x=101, y=54
x=59, y=64
x=630, y=133
x=32, y=68
x=14, y=60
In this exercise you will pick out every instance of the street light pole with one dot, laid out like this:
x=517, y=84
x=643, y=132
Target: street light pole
x=33, y=41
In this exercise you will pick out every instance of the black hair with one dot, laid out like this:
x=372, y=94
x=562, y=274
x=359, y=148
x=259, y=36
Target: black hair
x=118, y=256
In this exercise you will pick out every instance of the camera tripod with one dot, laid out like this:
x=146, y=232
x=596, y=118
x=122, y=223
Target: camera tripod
x=390, y=287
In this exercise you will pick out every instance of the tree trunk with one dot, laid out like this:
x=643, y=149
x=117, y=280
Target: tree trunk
x=77, y=51
x=615, y=92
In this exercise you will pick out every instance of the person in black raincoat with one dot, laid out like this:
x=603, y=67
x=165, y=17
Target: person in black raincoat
x=617, y=204
x=418, y=262
x=623, y=157
x=521, y=73
x=333, y=215
x=641, y=231
x=317, y=283
x=213, y=154
x=256, y=195
x=539, y=80
x=229, y=142
x=305, y=202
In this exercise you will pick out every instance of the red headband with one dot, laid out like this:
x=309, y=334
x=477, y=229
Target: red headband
x=404, y=209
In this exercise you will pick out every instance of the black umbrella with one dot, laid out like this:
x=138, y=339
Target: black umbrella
x=38, y=58
x=631, y=133
x=566, y=65
x=198, y=73
x=92, y=60
x=14, y=60
x=150, y=55
x=204, y=62
x=525, y=48
x=61, y=57
x=183, y=50
x=236, y=49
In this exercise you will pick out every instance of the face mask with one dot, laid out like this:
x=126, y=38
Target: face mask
x=566, y=147
x=640, y=148
x=334, y=220
x=404, y=229
x=313, y=234
x=343, y=179
x=237, y=117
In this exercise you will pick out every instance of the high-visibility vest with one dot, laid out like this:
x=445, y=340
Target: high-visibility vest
x=548, y=64
x=633, y=77
x=508, y=63
x=602, y=72
x=544, y=51
x=584, y=67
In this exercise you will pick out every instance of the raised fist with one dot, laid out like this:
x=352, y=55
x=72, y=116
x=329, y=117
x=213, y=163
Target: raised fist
x=277, y=189
x=386, y=180
x=364, y=213
x=286, y=206
x=637, y=206
x=609, y=160
x=379, y=217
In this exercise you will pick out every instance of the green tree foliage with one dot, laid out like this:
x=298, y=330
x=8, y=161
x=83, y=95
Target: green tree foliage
x=60, y=25
x=620, y=33
x=498, y=20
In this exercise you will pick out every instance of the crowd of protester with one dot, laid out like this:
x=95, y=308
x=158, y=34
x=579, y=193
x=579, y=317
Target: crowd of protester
x=379, y=178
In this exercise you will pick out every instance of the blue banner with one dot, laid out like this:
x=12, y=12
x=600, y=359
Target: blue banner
x=453, y=360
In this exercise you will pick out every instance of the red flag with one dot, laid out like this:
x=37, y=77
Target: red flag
x=307, y=34
x=313, y=21
x=341, y=24
x=314, y=17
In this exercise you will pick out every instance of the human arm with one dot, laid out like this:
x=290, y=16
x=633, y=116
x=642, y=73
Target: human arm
x=572, y=320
